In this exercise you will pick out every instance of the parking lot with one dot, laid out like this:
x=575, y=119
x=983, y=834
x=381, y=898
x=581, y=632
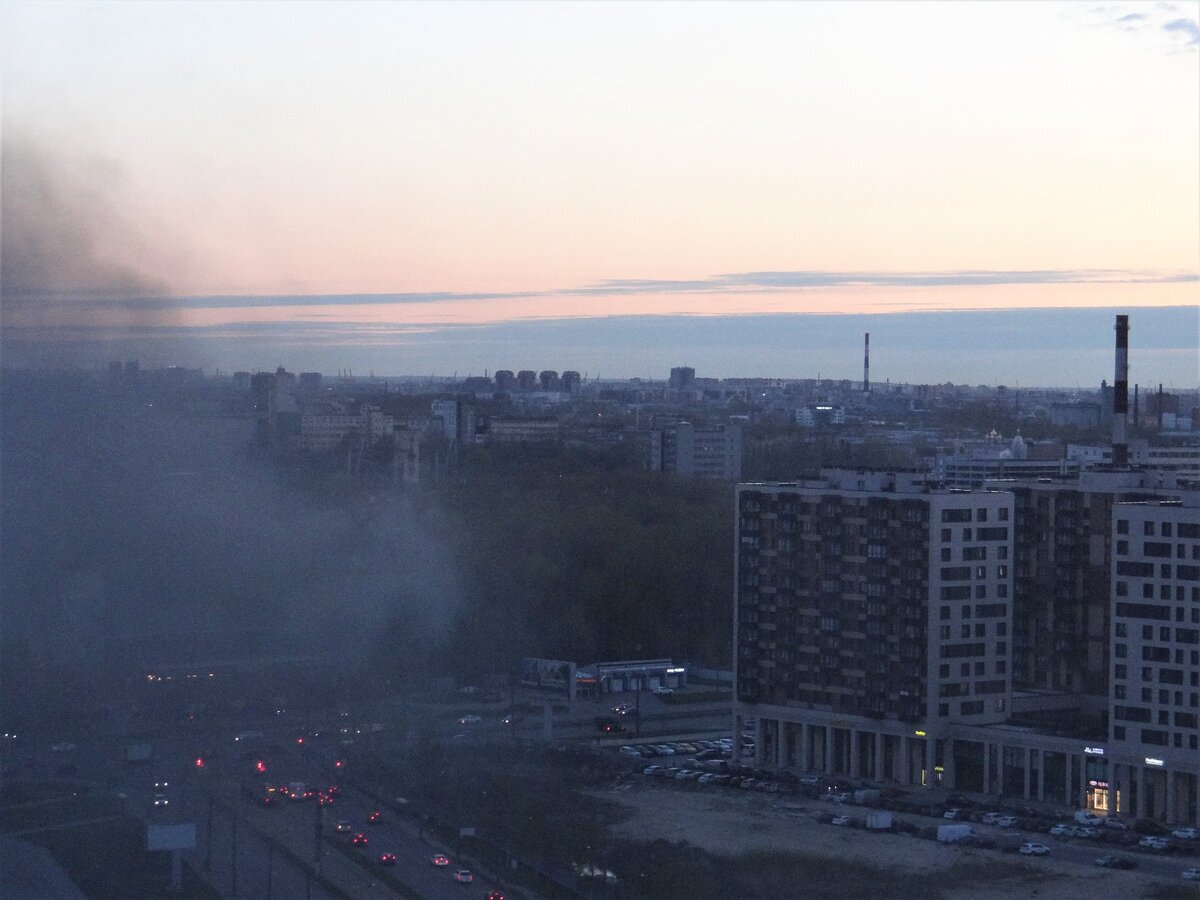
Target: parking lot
x=765, y=809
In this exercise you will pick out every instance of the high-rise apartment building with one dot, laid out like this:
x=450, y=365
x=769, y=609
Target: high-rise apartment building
x=704, y=451
x=878, y=618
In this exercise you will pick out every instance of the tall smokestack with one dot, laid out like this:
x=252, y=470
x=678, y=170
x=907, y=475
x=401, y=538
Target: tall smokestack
x=1120, y=448
x=867, y=363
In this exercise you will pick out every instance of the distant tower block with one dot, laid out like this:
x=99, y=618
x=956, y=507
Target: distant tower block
x=867, y=363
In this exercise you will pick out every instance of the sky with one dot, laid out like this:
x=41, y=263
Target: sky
x=191, y=178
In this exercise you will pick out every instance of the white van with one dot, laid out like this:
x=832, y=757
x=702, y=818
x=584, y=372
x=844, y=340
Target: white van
x=1087, y=817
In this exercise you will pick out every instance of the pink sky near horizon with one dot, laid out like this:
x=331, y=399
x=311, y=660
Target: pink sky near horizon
x=378, y=148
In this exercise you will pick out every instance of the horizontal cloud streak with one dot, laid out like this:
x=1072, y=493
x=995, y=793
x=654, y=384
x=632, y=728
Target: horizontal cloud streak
x=731, y=283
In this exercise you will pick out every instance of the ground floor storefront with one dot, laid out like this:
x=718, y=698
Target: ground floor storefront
x=1004, y=761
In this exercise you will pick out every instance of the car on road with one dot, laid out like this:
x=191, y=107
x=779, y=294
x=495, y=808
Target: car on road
x=948, y=814
x=1086, y=831
x=495, y=895
x=662, y=691
x=1154, y=843
x=1115, y=824
x=1006, y=821
x=990, y=818
x=840, y=820
x=1029, y=848
x=464, y=876
x=441, y=860
x=387, y=859
x=161, y=784
x=1112, y=861
x=469, y=720
x=65, y=747
x=664, y=750
x=623, y=709
x=810, y=780
x=1192, y=874
x=1062, y=830
x=631, y=752
x=375, y=818
x=360, y=840
x=161, y=800
x=1186, y=834
x=343, y=826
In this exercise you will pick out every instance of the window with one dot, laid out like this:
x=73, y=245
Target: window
x=946, y=535
x=1119, y=671
x=1001, y=629
x=1120, y=629
x=1148, y=529
x=1122, y=548
x=956, y=515
x=1002, y=552
x=966, y=631
x=964, y=670
x=945, y=554
x=1001, y=571
x=966, y=534
x=944, y=670
x=1001, y=666
x=1122, y=588
x=1002, y=591
x=1122, y=526
x=944, y=632
x=981, y=571
x=974, y=554
x=981, y=592
x=1119, y=691
x=1166, y=529
x=1004, y=514
x=943, y=709
x=1118, y=732
x=945, y=613
x=981, y=515
x=1121, y=651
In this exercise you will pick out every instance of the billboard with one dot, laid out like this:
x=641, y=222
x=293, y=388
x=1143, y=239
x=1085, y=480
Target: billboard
x=552, y=674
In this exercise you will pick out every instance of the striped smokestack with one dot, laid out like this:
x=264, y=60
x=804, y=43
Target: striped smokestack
x=867, y=363
x=1120, y=449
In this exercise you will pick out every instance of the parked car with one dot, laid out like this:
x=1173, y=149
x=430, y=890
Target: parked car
x=1006, y=821
x=1192, y=874
x=1030, y=848
x=1150, y=842
x=1062, y=830
x=951, y=814
x=464, y=876
x=631, y=752
x=1112, y=861
x=1116, y=824
x=1186, y=834
x=990, y=818
x=840, y=820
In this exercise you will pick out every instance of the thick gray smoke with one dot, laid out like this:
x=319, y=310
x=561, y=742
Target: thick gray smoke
x=64, y=234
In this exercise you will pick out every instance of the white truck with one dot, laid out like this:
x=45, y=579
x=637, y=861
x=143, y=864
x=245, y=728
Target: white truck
x=878, y=820
x=952, y=834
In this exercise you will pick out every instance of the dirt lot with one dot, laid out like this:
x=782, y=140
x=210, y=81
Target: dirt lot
x=729, y=823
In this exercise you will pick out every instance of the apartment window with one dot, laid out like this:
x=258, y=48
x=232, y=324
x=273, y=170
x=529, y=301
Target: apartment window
x=1121, y=651
x=944, y=670
x=981, y=515
x=1001, y=647
x=981, y=592
x=981, y=629
x=956, y=515
x=1122, y=588
x=966, y=631
x=1001, y=571
x=981, y=571
x=1147, y=695
x=945, y=613
x=974, y=554
x=1122, y=548
x=1147, y=674
x=1119, y=671
x=946, y=554
x=1002, y=552
x=946, y=536
x=1119, y=732
x=1122, y=526
x=1147, y=632
x=1166, y=529
x=1119, y=691
x=944, y=632
x=943, y=709
x=1148, y=529
x=964, y=670
x=1001, y=629
x=1121, y=630
x=979, y=668
x=1002, y=591
x=1001, y=666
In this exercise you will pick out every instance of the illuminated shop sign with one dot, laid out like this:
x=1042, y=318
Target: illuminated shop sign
x=1095, y=751
x=1151, y=761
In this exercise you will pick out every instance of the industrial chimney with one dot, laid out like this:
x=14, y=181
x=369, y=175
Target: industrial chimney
x=867, y=363
x=1120, y=448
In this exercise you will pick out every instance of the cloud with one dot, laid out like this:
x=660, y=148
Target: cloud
x=728, y=283
x=1185, y=27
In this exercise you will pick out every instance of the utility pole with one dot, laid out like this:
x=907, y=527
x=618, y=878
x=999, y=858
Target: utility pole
x=208, y=837
x=233, y=859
